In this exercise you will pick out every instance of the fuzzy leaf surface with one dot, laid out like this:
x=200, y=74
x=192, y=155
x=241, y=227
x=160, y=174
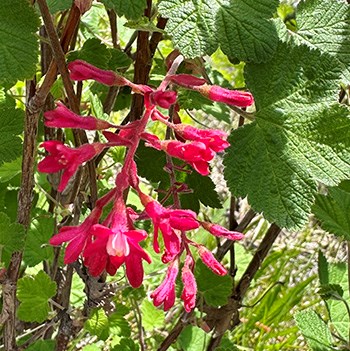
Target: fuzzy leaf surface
x=130, y=9
x=34, y=293
x=18, y=44
x=315, y=331
x=301, y=135
x=325, y=25
x=241, y=28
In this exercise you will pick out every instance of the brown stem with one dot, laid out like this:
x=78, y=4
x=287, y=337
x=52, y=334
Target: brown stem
x=227, y=244
x=221, y=318
x=80, y=136
x=114, y=29
x=183, y=321
x=23, y=217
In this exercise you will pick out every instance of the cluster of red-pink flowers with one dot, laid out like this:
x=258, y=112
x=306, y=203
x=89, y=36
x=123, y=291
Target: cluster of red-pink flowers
x=106, y=246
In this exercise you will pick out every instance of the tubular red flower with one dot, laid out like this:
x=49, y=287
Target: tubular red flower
x=163, y=99
x=113, y=247
x=190, y=286
x=210, y=261
x=81, y=70
x=165, y=293
x=76, y=236
x=219, y=231
x=214, y=139
x=67, y=159
x=169, y=222
x=187, y=80
x=62, y=117
x=227, y=96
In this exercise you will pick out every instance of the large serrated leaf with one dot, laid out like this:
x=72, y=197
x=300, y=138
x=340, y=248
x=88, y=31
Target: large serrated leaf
x=301, y=135
x=34, y=293
x=11, y=238
x=315, y=331
x=325, y=25
x=130, y=9
x=18, y=44
x=241, y=28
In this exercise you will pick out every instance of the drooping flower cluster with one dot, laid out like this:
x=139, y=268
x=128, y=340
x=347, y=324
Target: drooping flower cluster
x=106, y=245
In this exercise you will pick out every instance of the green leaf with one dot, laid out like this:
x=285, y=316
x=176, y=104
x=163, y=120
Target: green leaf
x=98, y=324
x=59, y=5
x=214, y=288
x=126, y=345
x=11, y=238
x=146, y=156
x=119, y=59
x=325, y=24
x=9, y=170
x=301, y=135
x=118, y=325
x=338, y=274
x=331, y=291
x=42, y=345
x=130, y=9
x=18, y=44
x=315, y=331
x=94, y=52
x=323, y=268
x=103, y=326
x=144, y=24
x=11, y=125
x=333, y=211
x=241, y=27
x=34, y=293
x=203, y=189
x=37, y=247
x=152, y=317
x=193, y=339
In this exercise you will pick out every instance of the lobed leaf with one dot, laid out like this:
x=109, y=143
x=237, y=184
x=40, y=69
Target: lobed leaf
x=34, y=293
x=301, y=135
x=241, y=28
x=325, y=25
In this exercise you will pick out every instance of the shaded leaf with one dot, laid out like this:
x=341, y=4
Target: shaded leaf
x=11, y=238
x=18, y=44
x=214, y=288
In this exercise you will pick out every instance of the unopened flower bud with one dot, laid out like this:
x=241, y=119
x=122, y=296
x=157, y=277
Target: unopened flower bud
x=227, y=96
x=81, y=70
x=210, y=261
x=83, y=5
x=219, y=231
x=163, y=99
